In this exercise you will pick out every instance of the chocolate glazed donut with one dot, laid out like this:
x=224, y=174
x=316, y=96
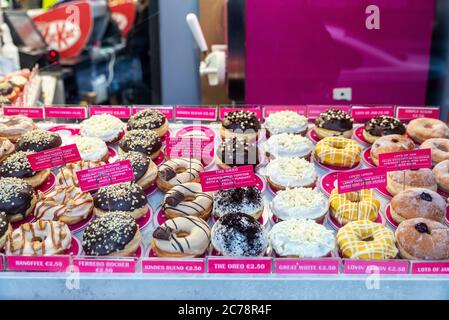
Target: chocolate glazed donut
x=143, y=141
x=17, y=198
x=334, y=122
x=38, y=140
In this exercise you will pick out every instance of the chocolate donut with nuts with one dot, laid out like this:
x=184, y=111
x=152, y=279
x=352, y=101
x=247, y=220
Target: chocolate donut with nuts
x=149, y=119
x=38, y=140
x=144, y=141
x=334, y=122
x=240, y=124
x=17, y=198
x=382, y=126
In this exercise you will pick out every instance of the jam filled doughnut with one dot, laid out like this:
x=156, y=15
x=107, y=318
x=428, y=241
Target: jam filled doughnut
x=354, y=206
x=246, y=200
x=421, y=178
x=17, y=198
x=103, y=126
x=18, y=166
x=144, y=169
x=149, y=119
x=285, y=173
x=177, y=171
x=187, y=199
x=181, y=237
x=422, y=129
x=144, y=141
x=13, y=127
x=423, y=239
x=41, y=238
x=66, y=204
x=441, y=173
x=382, y=126
x=334, y=122
x=439, y=148
x=390, y=143
x=338, y=151
x=301, y=238
x=239, y=235
x=5, y=229
x=417, y=203
x=237, y=151
x=288, y=145
x=67, y=175
x=366, y=240
x=112, y=235
x=6, y=148
x=125, y=197
x=38, y=140
x=240, y=124
x=286, y=121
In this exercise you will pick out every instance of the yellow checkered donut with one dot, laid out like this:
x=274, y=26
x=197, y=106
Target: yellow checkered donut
x=353, y=206
x=365, y=239
x=338, y=151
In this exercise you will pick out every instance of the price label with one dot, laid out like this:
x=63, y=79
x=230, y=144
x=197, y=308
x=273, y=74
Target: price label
x=54, y=157
x=33, y=113
x=66, y=112
x=196, y=113
x=406, y=160
x=307, y=266
x=122, y=112
x=92, y=265
x=363, y=113
x=229, y=265
x=167, y=111
x=157, y=265
x=361, y=179
x=101, y=176
x=35, y=263
x=375, y=266
x=409, y=113
x=228, y=178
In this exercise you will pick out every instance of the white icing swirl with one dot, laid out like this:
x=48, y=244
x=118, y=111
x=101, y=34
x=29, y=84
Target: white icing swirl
x=91, y=148
x=291, y=172
x=286, y=122
x=303, y=238
x=299, y=203
x=288, y=145
x=103, y=126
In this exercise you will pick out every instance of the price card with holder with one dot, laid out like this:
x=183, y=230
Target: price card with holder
x=32, y=112
x=361, y=179
x=409, y=113
x=196, y=113
x=63, y=112
x=163, y=265
x=406, y=160
x=38, y=263
x=307, y=266
x=228, y=178
x=105, y=265
x=239, y=265
x=364, y=113
x=54, y=157
x=122, y=112
x=375, y=266
x=430, y=267
x=167, y=111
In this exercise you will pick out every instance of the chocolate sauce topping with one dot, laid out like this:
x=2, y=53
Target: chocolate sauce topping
x=166, y=173
x=241, y=120
x=127, y=196
x=15, y=196
x=139, y=163
x=384, y=125
x=17, y=165
x=38, y=140
x=4, y=224
x=163, y=233
x=109, y=233
x=238, y=152
x=334, y=119
x=422, y=228
x=174, y=198
x=146, y=119
x=144, y=141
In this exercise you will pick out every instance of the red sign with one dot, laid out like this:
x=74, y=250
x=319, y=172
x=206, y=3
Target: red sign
x=430, y=267
x=228, y=178
x=156, y=265
x=124, y=13
x=54, y=157
x=409, y=113
x=239, y=265
x=38, y=263
x=361, y=179
x=190, y=147
x=121, y=112
x=66, y=112
x=375, y=267
x=406, y=160
x=196, y=113
x=307, y=266
x=33, y=113
x=66, y=28
x=362, y=113
x=112, y=173
x=314, y=112
x=92, y=265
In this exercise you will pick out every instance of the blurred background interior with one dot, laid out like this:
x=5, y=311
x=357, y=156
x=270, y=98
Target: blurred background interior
x=258, y=51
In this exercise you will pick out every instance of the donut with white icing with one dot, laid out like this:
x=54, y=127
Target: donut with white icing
x=286, y=121
x=294, y=172
x=288, y=145
x=103, y=126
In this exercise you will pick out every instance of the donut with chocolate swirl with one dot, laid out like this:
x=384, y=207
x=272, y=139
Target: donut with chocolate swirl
x=149, y=119
x=114, y=234
x=144, y=169
x=334, y=122
x=18, y=166
x=237, y=151
x=126, y=197
x=38, y=140
x=5, y=228
x=17, y=198
x=382, y=126
x=143, y=141
x=240, y=123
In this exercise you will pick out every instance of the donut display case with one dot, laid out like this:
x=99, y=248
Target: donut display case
x=259, y=201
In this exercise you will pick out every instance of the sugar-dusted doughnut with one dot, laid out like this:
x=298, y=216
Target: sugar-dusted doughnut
x=439, y=148
x=338, y=151
x=390, y=143
x=398, y=181
x=423, y=239
x=422, y=129
x=441, y=173
x=334, y=122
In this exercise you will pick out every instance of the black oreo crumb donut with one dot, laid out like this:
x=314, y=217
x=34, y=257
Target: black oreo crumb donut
x=144, y=169
x=334, y=122
x=149, y=119
x=5, y=228
x=17, y=198
x=240, y=124
x=18, y=166
x=112, y=235
x=144, y=141
x=382, y=126
x=246, y=200
x=239, y=235
x=127, y=197
x=237, y=151
x=38, y=140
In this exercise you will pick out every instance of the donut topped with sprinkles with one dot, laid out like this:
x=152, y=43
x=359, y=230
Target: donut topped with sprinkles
x=17, y=165
x=38, y=140
x=241, y=120
x=139, y=163
x=15, y=196
x=146, y=119
x=144, y=141
x=126, y=196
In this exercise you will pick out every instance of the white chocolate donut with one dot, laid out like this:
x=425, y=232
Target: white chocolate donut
x=288, y=145
x=91, y=148
x=291, y=172
x=66, y=204
x=286, y=122
x=177, y=171
x=104, y=126
x=181, y=237
x=41, y=238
